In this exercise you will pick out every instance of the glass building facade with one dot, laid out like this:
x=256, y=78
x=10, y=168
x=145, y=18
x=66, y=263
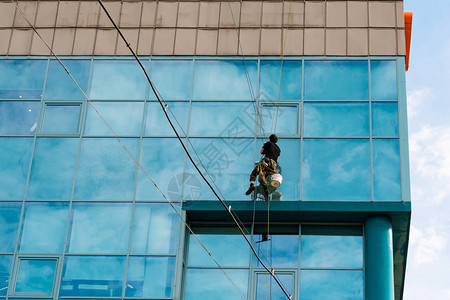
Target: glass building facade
x=80, y=220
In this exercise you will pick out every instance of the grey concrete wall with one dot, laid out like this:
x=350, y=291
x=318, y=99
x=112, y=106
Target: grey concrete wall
x=333, y=28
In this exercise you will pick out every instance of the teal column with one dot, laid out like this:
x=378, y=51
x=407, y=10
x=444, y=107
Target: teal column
x=379, y=259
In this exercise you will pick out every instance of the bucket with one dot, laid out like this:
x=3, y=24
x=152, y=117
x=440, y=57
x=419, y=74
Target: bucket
x=275, y=180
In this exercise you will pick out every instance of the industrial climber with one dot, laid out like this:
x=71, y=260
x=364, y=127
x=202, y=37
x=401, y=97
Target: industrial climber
x=267, y=166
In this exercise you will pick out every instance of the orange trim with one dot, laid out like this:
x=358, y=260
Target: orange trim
x=408, y=25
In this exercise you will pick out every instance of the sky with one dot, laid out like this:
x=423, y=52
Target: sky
x=428, y=264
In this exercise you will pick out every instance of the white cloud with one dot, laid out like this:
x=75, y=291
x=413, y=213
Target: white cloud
x=430, y=164
x=416, y=98
x=427, y=245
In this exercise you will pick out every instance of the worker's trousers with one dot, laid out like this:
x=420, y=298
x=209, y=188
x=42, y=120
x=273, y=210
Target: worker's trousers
x=265, y=167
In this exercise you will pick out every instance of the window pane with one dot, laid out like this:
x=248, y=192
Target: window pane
x=336, y=119
x=150, y=277
x=225, y=119
x=225, y=80
x=179, y=85
x=22, y=79
x=118, y=80
x=336, y=170
x=290, y=85
x=386, y=170
x=336, y=80
x=212, y=284
x=163, y=160
x=48, y=236
x=99, y=228
x=18, y=118
x=5, y=270
x=282, y=251
x=15, y=154
x=105, y=170
x=61, y=119
x=59, y=85
x=383, y=80
x=124, y=118
x=319, y=251
x=53, y=169
x=268, y=288
x=285, y=123
x=9, y=224
x=230, y=250
x=93, y=276
x=156, y=123
x=229, y=169
x=28, y=282
x=155, y=222
x=331, y=285
x=384, y=119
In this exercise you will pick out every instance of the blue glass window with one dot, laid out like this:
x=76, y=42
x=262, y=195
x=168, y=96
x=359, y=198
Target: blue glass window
x=282, y=251
x=22, y=79
x=225, y=80
x=326, y=251
x=18, y=118
x=268, y=288
x=9, y=224
x=230, y=250
x=48, y=236
x=229, y=163
x=105, y=170
x=383, y=80
x=59, y=85
x=224, y=119
x=61, y=119
x=93, y=276
x=336, y=119
x=53, y=169
x=285, y=123
x=15, y=155
x=28, y=282
x=5, y=270
x=336, y=170
x=384, y=119
x=386, y=170
x=178, y=87
x=118, y=80
x=212, y=284
x=155, y=222
x=125, y=118
x=150, y=277
x=99, y=228
x=156, y=123
x=163, y=160
x=331, y=285
x=336, y=80
x=280, y=80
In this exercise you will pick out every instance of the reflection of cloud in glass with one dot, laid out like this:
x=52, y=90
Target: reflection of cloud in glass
x=268, y=288
x=384, y=119
x=5, y=269
x=15, y=156
x=22, y=79
x=383, y=79
x=331, y=251
x=336, y=170
x=60, y=86
x=386, y=170
x=286, y=119
x=118, y=80
x=9, y=223
x=212, y=284
x=291, y=80
x=48, y=236
x=156, y=123
x=61, y=119
x=331, y=285
x=100, y=228
x=155, y=229
x=18, y=118
x=224, y=80
x=124, y=118
x=35, y=276
x=283, y=251
x=179, y=85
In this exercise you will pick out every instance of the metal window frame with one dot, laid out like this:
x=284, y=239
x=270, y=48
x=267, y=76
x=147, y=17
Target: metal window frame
x=41, y=122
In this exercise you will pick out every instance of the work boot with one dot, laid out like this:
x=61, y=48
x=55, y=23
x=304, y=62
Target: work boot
x=251, y=188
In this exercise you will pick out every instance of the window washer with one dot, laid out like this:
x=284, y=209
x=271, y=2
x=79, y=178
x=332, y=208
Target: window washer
x=267, y=166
